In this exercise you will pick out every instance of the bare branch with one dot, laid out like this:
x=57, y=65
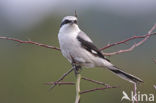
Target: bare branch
x=30, y=42
x=124, y=41
x=71, y=83
x=146, y=36
x=59, y=83
x=94, y=81
x=62, y=77
x=95, y=89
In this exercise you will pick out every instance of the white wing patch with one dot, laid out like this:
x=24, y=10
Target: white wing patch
x=94, y=52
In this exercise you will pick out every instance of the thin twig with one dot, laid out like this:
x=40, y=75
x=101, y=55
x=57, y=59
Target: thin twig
x=60, y=83
x=95, y=89
x=94, y=81
x=124, y=41
x=30, y=42
x=61, y=78
x=135, y=45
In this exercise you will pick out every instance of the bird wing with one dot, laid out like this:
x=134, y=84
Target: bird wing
x=84, y=36
x=87, y=44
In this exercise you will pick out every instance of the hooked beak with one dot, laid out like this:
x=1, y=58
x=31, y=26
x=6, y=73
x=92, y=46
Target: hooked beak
x=72, y=22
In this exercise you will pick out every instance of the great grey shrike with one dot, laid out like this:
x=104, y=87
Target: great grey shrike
x=77, y=47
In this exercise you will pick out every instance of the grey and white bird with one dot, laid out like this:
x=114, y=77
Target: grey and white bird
x=77, y=47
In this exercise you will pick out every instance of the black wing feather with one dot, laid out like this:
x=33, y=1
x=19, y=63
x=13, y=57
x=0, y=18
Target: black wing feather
x=89, y=46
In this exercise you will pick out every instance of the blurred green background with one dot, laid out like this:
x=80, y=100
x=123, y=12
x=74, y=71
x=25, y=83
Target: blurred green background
x=25, y=67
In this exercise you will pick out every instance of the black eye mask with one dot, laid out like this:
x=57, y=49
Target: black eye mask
x=67, y=21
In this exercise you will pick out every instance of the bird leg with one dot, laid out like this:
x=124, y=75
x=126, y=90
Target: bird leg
x=76, y=68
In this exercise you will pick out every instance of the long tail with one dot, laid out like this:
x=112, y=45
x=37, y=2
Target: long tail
x=124, y=75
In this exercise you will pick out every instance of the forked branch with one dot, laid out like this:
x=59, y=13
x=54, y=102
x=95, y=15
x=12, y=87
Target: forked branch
x=146, y=36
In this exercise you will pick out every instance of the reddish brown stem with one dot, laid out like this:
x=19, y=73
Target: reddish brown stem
x=59, y=83
x=133, y=46
x=95, y=89
x=31, y=42
x=61, y=78
x=94, y=81
x=124, y=41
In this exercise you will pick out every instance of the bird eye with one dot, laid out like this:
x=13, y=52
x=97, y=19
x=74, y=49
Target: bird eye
x=75, y=21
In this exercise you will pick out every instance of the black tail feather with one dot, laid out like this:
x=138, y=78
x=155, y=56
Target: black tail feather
x=125, y=75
